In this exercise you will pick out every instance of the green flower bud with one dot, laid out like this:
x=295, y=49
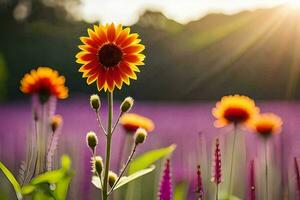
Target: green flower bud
x=140, y=136
x=91, y=140
x=126, y=104
x=112, y=178
x=95, y=102
x=97, y=165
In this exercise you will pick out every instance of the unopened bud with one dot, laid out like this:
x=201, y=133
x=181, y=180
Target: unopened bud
x=126, y=104
x=56, y=121
x=35, y=115
x=140, y=136
x=95, y=102
x=97, y=165
x=112, y=178
x=91, y=140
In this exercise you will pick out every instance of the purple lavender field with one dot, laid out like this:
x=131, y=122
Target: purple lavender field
x=186, y=125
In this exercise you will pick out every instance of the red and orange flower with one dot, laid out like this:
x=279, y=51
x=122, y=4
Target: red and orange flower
x=234, y=109
x=110, y=56
x=267, y=124
x=45, y=82
x=131, y=122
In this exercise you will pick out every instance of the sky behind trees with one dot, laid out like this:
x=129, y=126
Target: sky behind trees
x=128, y=11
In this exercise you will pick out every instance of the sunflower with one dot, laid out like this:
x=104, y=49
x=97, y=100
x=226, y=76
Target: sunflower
x=45, y=82
x=110, y=56
x=236, y=109
x=131, y=122
x=267, y=124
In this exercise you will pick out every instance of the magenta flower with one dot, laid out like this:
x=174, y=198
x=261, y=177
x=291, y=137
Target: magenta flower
x=165, y=188
x=217, y=171
x=199, y=189
x=297, y=176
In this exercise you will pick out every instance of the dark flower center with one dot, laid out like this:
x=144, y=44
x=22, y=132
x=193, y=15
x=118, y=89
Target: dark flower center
x=236, y=115
x=44, y=95
x=109, y=55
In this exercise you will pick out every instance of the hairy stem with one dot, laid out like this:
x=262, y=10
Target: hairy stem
x=124, y=168
x=266, y=172
x=100, y=123
x=108, y=145
x=232, y=160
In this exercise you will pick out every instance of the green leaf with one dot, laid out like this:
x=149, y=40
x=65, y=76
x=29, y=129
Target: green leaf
x=12, y=180
x=28, y=189
x=150, y=157
x=55, y=175
x=125, y=179
x=96, y=182
x=48, y=177
x=181, y=191
x=51, y=184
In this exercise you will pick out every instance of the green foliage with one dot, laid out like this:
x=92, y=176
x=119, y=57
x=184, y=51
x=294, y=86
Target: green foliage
x=12, y=180
x=181, y=190
x=125, y=179
x=150, y=157
x=52, y=185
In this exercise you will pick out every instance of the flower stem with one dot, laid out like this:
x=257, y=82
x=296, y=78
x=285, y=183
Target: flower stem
x=124, y=168
x=217, y=191
x=266, y=172
x=108, y=145
x=232, y=160
x=100, y=123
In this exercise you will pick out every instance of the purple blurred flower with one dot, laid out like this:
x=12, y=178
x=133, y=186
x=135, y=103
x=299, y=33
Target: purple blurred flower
x=297, y=176
x=165, y=188
x=199, y=189
x=217, y=172
x=252, y=181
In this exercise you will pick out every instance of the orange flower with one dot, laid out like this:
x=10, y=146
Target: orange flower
x=235, y=109
x=131, y=122
x=267, y=124
x=110, y=56
x=45, y=82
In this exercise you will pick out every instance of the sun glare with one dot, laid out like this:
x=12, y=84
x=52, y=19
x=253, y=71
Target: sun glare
x=294, y=4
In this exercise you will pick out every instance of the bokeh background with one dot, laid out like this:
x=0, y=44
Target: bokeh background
x=196, y=52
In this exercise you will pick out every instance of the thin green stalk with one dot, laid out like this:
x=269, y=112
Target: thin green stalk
x=217, y=191
x=108, y=145
x=266, y=172
x=232, y=159
x=124, y=168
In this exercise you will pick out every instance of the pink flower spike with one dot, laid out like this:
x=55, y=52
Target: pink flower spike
x=217, y=171
x=297, y=176
x=165, y=189
x=199, y=189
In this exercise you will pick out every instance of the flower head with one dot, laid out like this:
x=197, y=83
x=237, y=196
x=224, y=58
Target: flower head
x=234, y=109
x=165, y=188
x=267, y=124
x=45, y=82
x=112, y=178
x=110, y=56
x=199, y=183
x=217, y=168
x=131, y=122
x=95, y=102
x=56, y=121
x=126, y=104
x=140, y=136
x=91, y=140
x=97, y=165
